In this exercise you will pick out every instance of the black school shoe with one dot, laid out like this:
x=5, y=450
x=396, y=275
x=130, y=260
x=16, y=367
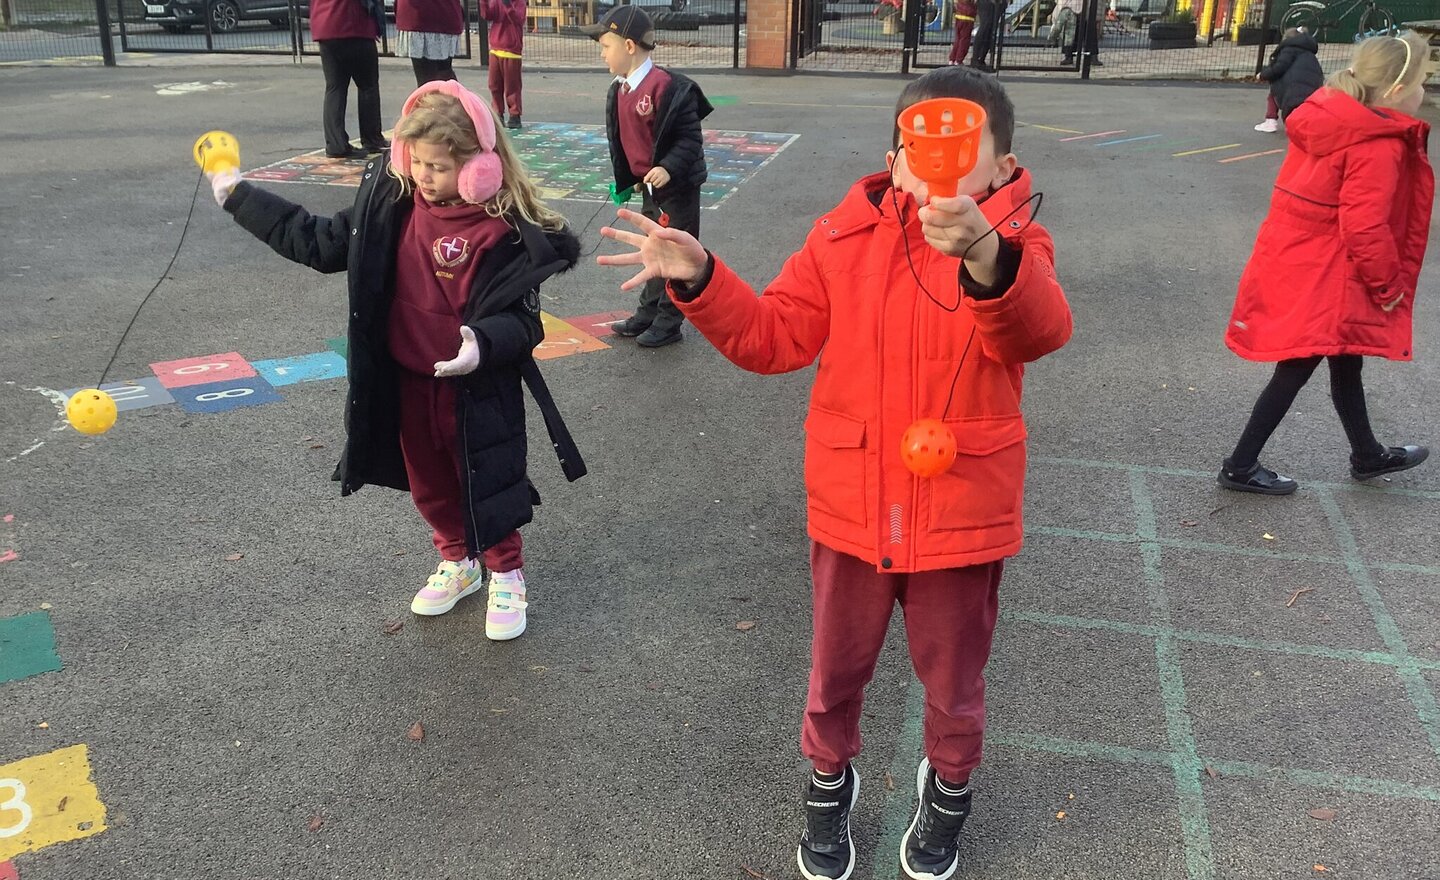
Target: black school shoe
x=826, y=851
x=1257, y=479
x=931, y=847
x=659, y=337
x=349, y=153
x=513, y=122
x=1396, y=458
x=631, y=327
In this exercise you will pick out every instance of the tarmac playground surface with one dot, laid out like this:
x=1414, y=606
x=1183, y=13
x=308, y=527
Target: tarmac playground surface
x=200, y=664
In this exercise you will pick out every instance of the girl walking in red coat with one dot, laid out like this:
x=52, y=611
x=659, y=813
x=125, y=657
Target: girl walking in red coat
x=1336, y=261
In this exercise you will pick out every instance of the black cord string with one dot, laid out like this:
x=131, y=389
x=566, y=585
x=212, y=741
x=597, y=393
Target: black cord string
x=1037, y=198
x=163, y=275
x=586, y=228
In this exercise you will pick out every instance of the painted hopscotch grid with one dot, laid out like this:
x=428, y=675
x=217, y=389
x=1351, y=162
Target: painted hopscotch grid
x=567, y=161
x=1183, y=757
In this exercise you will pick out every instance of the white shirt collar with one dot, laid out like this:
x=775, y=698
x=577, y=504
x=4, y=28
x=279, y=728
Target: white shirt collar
x=638, y=76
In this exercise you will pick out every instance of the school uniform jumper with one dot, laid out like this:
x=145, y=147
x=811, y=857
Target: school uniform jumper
x=507, y=43
x=964, y=28
x=888, y=355
x=458, y=444
x=652, y=118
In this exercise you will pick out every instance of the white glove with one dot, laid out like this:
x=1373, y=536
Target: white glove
x=222, y=183
x=465, y=361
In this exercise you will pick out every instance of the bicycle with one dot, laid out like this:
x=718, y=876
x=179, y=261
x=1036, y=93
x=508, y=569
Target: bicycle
x=1312, y=16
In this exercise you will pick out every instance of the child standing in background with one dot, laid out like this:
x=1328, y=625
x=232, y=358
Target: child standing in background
x=507, y=41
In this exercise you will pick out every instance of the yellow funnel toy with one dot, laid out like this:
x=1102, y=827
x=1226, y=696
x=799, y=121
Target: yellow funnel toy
x=216, y=151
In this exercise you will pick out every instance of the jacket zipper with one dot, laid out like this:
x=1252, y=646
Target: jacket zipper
x=1304, y=199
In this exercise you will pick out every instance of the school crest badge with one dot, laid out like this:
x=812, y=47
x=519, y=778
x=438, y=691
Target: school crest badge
x=645, y=106
x=450, y=250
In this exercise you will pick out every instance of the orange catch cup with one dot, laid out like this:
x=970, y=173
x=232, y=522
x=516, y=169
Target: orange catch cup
x=941, y=138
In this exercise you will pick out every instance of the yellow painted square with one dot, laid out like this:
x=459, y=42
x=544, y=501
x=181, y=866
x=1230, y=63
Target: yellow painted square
x=47, y=799
x=562, y=339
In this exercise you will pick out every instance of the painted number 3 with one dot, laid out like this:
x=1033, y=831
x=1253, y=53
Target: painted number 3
x=16, y=804
x=228, y=392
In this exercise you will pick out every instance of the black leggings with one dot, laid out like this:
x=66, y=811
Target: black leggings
x=1346, y=390
x=430, y=69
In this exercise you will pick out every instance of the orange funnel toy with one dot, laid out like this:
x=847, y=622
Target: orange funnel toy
x=941, y=138
x=216, y=151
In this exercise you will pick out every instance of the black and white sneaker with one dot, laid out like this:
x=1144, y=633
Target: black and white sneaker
x=931, y=847
x=826, y=851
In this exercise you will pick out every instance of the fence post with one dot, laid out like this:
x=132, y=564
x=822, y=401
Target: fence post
x=1086, y=35
x=1264, y=38
x=7, y=14
x=102, y=18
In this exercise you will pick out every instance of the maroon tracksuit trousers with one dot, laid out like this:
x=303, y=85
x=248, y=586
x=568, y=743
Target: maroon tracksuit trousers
x=429, y=439
x=949, y=620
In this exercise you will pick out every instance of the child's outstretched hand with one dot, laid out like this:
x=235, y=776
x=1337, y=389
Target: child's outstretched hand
x=672, y=254
x=956, y=225
x=222, y=183
x=466, y=361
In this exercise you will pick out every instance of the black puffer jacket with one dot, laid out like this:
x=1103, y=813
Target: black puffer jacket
x=679, y=144
x=503, y=310
x=1294, y=72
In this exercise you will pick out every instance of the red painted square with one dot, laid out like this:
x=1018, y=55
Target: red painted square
x=8, y=871
x=599, y=325
x=203, y=370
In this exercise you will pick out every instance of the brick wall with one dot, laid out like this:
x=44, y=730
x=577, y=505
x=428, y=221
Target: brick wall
x=767, y=35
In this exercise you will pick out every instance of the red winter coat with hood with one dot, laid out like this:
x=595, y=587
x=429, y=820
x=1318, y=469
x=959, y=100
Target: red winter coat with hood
x=888, y=356
x=1345, y=236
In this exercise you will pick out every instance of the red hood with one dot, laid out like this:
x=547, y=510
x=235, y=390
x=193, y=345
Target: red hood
x=1331, y=121
x=869, y=202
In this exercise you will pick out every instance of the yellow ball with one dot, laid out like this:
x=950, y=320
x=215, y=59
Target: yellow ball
x=91, y=411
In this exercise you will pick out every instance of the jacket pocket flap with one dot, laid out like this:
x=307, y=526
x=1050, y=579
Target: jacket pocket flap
x=835, y=430
x=985, y=435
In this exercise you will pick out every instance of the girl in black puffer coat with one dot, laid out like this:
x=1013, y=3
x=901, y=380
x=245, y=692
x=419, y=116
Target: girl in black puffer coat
x=1293, y=74
x=446, y=246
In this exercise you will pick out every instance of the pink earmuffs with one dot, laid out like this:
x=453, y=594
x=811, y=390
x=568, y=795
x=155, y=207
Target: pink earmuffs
x=481, y=175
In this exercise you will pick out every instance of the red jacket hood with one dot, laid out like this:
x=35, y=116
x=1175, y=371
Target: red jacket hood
x=869, y=202
x=1331, y=121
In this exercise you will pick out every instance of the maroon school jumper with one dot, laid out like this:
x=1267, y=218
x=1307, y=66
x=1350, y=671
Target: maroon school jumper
x=637, y=109
x=507, y=40
x=440, y=250
x=964, y=29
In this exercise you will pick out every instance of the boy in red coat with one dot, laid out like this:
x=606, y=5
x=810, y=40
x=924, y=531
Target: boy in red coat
x=1337, y=260
x=507, y=41
x=894, y=336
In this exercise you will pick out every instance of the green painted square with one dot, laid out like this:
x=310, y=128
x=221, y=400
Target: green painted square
x=723, y=100
x=341, y=346
x=27, y=646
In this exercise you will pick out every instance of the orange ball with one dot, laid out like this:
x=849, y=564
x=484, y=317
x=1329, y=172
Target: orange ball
x=928, y=448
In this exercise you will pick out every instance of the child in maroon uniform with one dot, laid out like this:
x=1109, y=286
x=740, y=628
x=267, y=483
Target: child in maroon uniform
x=652, y=116
x=901, y=297
x=450, y=240
x=964, y=29
x=507, y=39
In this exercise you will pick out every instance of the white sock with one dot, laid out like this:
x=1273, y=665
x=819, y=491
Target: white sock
x=828, y=784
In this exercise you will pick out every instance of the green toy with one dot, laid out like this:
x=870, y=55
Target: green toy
x=621, y=197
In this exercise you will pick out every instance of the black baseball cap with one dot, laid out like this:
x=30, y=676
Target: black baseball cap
x=627, y=22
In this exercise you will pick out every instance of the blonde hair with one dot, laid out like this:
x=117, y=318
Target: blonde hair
x=441, y=119
x=1383, y=67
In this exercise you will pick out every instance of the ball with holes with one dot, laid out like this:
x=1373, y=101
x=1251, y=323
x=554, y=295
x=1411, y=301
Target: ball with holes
x=927, y=448
x=91, y=411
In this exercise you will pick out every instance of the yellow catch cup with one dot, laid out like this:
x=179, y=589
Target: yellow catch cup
x=216, y=151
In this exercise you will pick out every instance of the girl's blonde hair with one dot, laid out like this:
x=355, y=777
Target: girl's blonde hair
x=1384, y=67
x=441, y=119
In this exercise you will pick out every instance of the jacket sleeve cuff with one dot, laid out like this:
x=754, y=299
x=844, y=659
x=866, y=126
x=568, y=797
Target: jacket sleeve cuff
x=683, y=292
x=1007, y=266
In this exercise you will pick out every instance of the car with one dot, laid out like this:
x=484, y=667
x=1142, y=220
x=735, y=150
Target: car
x=224, y=16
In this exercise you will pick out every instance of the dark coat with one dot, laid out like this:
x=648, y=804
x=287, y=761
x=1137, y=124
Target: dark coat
x=503, y=310
x=1294, y=72
x=679, y=144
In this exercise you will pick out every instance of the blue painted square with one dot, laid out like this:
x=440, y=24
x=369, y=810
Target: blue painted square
x=304, y=368
x=221, y=396
x=134, y=394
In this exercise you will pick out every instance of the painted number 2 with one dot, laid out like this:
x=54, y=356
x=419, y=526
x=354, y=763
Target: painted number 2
x=15, y=804
x=228, y=392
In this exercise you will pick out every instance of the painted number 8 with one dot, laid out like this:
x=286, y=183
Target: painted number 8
x=16, y=804
x=228, y=392
x=198, y=368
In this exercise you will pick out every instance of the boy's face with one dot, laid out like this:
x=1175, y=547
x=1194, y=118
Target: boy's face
x=618, y=53
x=991, y=171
